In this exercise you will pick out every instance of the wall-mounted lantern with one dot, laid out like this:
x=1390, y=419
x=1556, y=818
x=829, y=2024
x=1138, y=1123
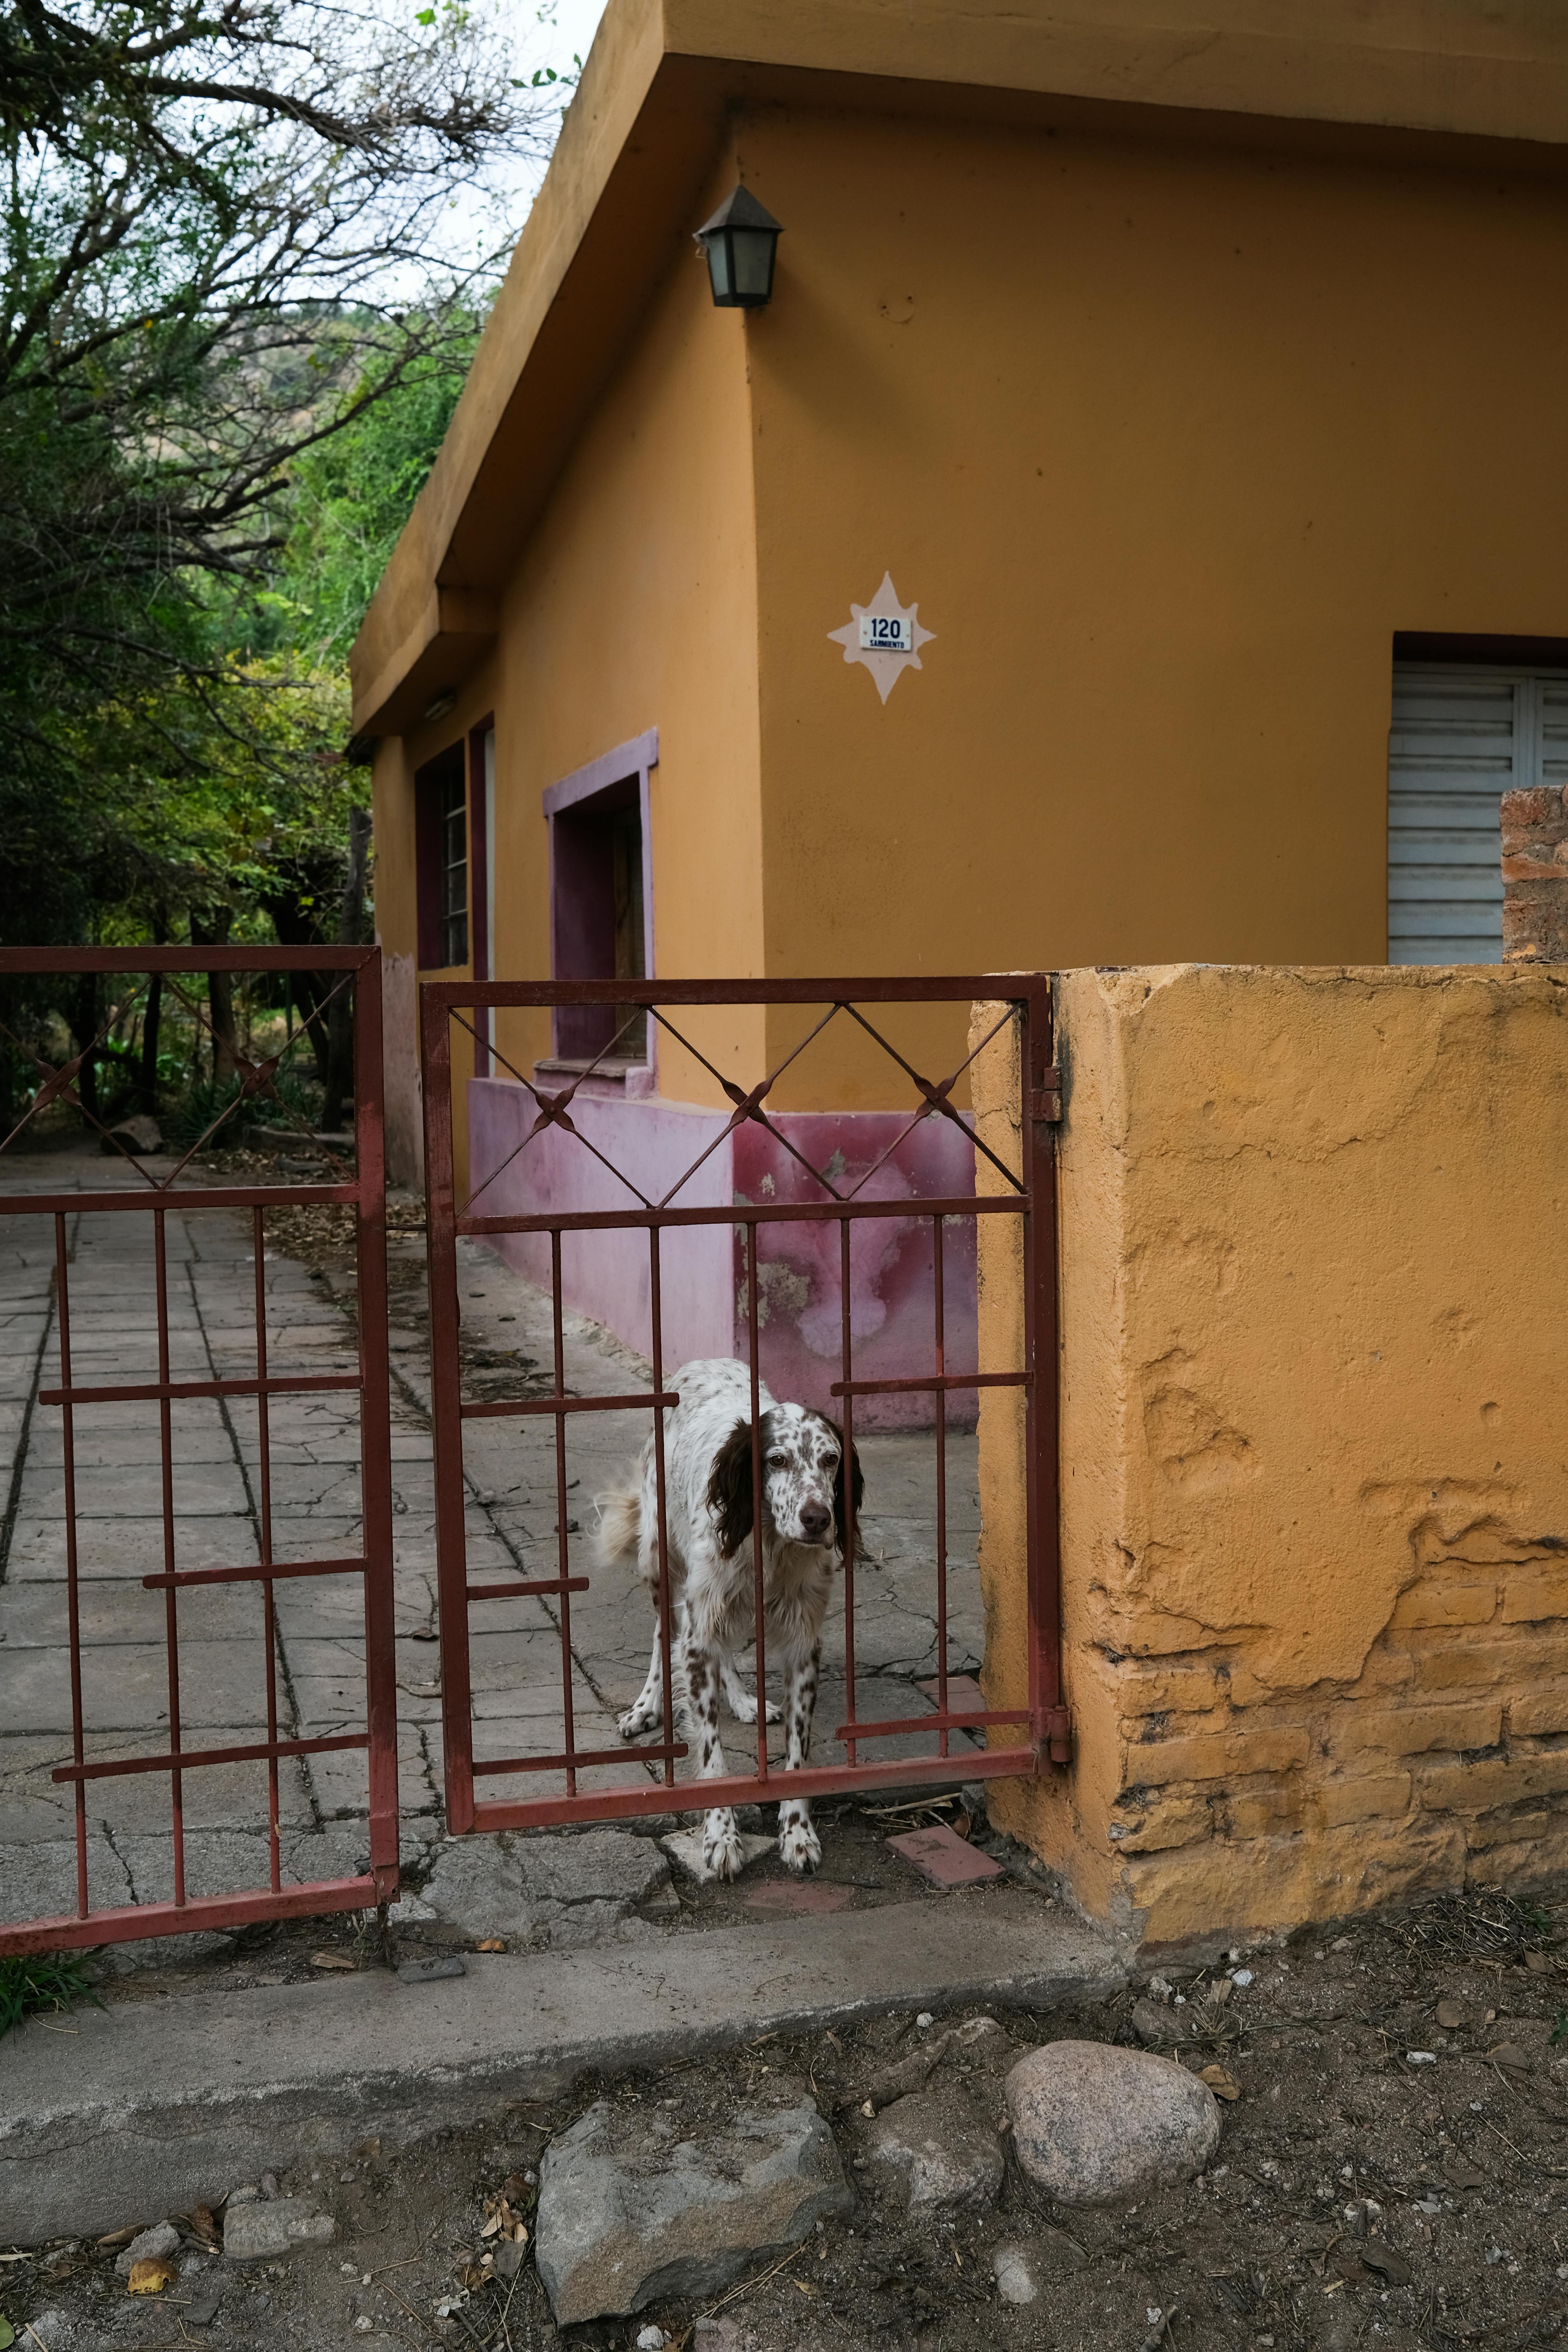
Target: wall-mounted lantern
x=740, y=242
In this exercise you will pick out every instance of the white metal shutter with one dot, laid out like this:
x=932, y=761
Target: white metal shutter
x=1460, y=738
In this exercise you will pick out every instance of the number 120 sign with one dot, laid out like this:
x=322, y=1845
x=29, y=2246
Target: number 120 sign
x=886, y=633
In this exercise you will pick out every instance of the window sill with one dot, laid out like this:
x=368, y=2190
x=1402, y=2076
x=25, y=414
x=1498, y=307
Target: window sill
x=632, y=1079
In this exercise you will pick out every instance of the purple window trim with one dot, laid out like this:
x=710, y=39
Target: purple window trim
x=635, y=757
x=480, y=850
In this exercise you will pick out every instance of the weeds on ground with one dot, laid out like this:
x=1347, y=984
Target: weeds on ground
x=55, y=1983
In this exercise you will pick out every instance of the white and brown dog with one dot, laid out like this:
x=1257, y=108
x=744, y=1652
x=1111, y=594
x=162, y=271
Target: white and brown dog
x=709, y=1516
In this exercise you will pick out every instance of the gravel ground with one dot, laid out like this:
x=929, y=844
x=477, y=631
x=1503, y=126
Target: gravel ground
x=1363, y=2193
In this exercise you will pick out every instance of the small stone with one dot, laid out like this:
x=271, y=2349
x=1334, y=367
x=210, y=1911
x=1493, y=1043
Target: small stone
x=628, y=2214
x=281, y=2225
x=925, y=2019
x=1034, y=2260
x=1157, y=2027
x=1014, y=2279
x=207, y=2297
x=419, y=1972
x=949, y=2159
x=1091, y=2123
x=511, y=2255
x=1241, y=1977
x=554, y=1892
x=154, y=2244
x=139, y=1135
x=651, y=2339
x=1450, y=2015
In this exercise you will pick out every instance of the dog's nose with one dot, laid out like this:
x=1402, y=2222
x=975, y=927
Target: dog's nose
x=815, y=1521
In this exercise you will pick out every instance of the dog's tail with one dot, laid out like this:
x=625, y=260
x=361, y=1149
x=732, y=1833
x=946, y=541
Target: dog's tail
x=620, y=1526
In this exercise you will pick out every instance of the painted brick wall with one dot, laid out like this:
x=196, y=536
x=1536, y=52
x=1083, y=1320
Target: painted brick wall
x=1314, y=1453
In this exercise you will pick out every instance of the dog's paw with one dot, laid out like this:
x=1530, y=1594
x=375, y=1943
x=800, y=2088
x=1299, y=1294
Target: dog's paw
x=743, y=1707
x=722, y=1853
x=800, y=1848
x=637, y=1720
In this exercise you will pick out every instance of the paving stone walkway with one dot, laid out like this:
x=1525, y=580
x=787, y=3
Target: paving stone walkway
x=218, y=1498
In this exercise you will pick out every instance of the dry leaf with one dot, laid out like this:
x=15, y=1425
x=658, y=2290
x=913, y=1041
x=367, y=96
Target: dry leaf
x=867, y=2108
x=1450, y=2015
x=1222, y=2085
x=491, y=2226
x=1510, y=2054
x=490, y=1943
x=124, y=2237
x=203, y=2226
x=368, y=2147
x=519, y=2234
x=151, y=2275
x=331, y=1960
x=1539, y=1962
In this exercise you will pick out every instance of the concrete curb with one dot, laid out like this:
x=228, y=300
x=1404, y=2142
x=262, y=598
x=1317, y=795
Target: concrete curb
x=149, y=2109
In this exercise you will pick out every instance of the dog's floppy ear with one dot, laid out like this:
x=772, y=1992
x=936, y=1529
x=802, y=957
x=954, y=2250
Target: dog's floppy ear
x=730, y=1489
x=857, y=1487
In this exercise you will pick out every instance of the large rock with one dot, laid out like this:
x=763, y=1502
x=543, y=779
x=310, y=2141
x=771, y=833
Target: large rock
x=947, y=2154
x=628, y=2213
x=1091, y=2123
x=547, y=1891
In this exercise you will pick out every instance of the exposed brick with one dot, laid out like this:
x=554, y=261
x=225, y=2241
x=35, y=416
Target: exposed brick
x=1492, y=1780
x=1533, y=1713
x=1532, y=1861
x=1450, y=1666
x=1440, y=1600
x=1212, y=1889
x=1509, y=1827
x=1169, y=1822
x=1168, y=1690
x=1535, y=1593
x=1266, y=1812
x=1535, y=875
x=1411, y=1731
x=1357, y=1799
x=1216, y=1755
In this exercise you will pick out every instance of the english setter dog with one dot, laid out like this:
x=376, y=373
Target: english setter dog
x=708, y=1514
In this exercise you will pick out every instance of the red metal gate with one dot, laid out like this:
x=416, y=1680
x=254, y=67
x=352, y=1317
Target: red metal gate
x=70, y=1337
x=588, y=1781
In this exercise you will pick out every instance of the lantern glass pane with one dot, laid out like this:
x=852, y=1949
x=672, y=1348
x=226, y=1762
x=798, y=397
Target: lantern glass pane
x=718, y=265
x=753, y=264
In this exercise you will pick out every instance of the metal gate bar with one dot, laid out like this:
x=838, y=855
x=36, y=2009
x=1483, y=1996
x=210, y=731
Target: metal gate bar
x=363, y=1190
x=1032, y=1198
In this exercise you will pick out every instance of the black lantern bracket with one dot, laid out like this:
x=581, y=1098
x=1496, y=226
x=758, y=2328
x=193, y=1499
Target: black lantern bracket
x=739, y=243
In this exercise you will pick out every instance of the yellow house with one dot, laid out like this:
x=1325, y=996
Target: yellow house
x=1131, y=533
x=1193, y=377
x=1191, y=373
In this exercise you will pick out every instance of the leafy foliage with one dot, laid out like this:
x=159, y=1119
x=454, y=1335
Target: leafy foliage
x=29, y=1987
x=245, y=250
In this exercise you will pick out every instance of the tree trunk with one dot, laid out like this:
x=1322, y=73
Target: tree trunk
x=340, y=1020
x=147, y=1081
x=84, y=1022
x=214, y=933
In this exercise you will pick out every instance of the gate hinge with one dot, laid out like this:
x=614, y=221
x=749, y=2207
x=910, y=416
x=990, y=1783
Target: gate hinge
x=1058, y=1735
x=1046, y=1096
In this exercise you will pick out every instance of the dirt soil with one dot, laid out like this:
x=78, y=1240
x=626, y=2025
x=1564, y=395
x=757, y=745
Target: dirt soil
x=1365, y=2192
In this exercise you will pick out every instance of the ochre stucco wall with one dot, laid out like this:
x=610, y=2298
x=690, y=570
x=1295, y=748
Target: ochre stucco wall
x=1167, y=441
x=633, y=606
x=1314, y=1457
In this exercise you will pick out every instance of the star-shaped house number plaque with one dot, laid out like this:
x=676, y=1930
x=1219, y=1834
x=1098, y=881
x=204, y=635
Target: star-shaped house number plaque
x=885, y=636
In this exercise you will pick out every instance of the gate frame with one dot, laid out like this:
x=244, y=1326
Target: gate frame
x=366, y=1194
x=1049, y=1730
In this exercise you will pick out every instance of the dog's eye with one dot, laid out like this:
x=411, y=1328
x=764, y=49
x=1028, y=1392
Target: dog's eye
x=778, y=1462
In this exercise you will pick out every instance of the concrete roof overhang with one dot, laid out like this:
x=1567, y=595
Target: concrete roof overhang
x=1478, y=81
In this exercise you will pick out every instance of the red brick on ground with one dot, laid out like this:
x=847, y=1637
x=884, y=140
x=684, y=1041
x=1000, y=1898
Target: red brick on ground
x=784, y=1898
x=943, y=1857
